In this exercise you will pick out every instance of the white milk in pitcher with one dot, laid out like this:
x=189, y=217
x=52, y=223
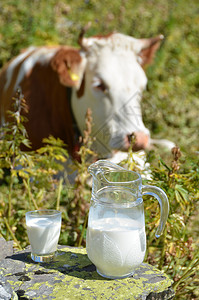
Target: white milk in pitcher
x=116, y=246
x=43, y=235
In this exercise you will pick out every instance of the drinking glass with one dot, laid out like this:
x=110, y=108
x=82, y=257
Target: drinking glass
x=43, y=228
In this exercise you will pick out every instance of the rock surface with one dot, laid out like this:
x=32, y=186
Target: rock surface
x=73, y=276
x=6, y=248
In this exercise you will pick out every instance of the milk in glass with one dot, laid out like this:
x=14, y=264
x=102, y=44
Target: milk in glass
x=43, y=234
x=116, y=245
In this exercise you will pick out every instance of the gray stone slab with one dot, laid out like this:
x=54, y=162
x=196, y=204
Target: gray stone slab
x=6, y=292
x=6, y=248
x=73, y=276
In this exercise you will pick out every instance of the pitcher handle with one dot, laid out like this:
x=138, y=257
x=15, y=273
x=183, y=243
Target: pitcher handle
x=161, y=196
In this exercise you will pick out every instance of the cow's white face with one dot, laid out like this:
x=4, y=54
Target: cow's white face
x=114, y=81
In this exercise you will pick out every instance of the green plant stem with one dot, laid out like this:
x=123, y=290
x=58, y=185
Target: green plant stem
x=10, y=199
x=189, y=271
x=27, y=186
x=162, y=256
x=78, y=211
x=83, y=229
x=59, y=193
x=12, y=234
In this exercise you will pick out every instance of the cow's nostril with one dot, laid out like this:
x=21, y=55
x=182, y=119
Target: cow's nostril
x=131, y=137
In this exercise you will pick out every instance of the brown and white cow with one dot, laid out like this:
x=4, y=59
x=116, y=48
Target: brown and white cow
x=60, y=83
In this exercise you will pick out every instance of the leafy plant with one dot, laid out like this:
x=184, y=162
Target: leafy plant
x=28, y=174
x=81, y=188
x=175, y=251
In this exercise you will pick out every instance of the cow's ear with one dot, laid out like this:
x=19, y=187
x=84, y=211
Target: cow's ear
x=69, y=65
x=147, y=49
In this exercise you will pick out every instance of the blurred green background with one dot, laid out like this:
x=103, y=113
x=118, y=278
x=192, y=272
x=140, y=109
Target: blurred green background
x=170, y=104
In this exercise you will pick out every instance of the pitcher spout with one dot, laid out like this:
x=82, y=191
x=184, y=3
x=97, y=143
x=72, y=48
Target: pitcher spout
x=102, y=166
x=108, y=174
x=98, y=171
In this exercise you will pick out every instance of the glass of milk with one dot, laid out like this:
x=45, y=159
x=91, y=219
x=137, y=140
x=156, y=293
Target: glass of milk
x=43, y=228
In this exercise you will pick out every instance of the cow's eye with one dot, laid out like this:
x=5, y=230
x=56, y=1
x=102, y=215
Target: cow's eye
x=100, y=85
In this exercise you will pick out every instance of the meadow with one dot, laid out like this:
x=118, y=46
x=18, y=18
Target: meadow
x=170, y=110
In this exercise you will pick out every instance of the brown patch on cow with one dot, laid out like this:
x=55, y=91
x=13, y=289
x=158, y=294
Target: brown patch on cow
x=100, y=36
x=6, y=95
x=80, y=92
x=65, y=62
x=147, y=54
x=49, y=111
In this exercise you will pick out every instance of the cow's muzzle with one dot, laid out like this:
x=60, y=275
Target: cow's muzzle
x=139, y=140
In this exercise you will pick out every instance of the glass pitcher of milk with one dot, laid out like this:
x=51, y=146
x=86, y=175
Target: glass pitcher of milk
x=116, y=239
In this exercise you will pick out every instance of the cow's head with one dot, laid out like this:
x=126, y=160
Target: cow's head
x=110, y=80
